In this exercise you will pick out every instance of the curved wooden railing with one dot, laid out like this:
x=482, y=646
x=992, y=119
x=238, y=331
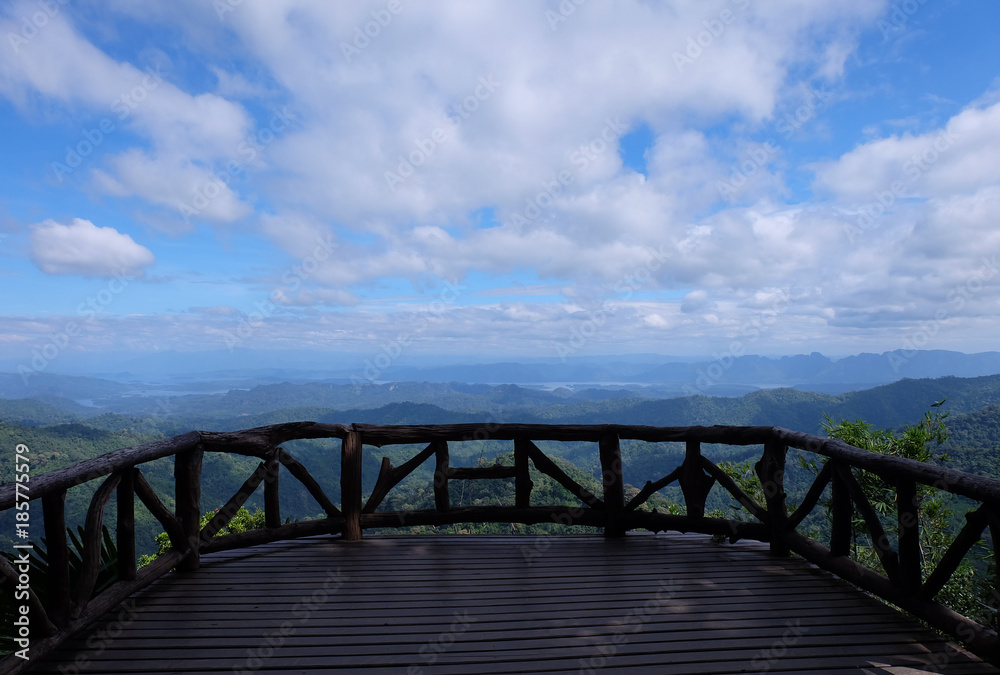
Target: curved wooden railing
x=69, y=610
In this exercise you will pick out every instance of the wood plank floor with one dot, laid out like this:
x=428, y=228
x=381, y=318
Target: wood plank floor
x=463, y=604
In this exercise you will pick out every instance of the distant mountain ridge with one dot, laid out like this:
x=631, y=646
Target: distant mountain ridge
x=886, y=406
x=705, y=376
x=665, y=375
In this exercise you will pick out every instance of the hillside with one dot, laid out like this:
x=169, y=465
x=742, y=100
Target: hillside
x=58, y=438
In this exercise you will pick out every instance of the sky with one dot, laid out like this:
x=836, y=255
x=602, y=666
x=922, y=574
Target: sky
x=498, y=179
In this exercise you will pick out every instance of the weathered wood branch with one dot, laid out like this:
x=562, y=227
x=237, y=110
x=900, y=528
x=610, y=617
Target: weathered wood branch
x=614, y=485
x=841, y=513
x=259, y=441
x=487, y=514
x=57, y=550
x=380, y=435
x=97, y=608
x=662, y=522
x=67, y=477
x=272, y=499
x=92, y=538
x=389, y=476
x=880, y=541
x=771, y=472
x=550, y=468
x=758, y=511
x=695, y=483
x=908, y=520
x=300, y=473
x=231, y=507
x=892, y=468
x=125, y=528
x=522, y=475
x=975, y=523
x=994, y=519
x=350, y=485
x=442, y=498
x=980, y=639
x=650, y=488
x=38, y=614
x=187, y=490
x=169, y=521
x=303, y=528
x=812, y=497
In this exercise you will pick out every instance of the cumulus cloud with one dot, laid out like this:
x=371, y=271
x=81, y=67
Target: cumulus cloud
x=87, y=250
x=956, y=158
x=502, y=134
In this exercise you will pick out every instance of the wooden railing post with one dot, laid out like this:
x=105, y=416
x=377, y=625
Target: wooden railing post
x=614, y=486
x=994, y=521
x=910, y=576
x=350, y=485
x=841, y=514
x=522, y=481
x=60, y=604
x=442, y=500
x=771, y=472
x=126, y=526
x=695, y=483
x=187, y=488
x=272, y=503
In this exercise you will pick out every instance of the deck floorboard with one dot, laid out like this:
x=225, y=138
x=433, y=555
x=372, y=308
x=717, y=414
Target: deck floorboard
x=467, y=605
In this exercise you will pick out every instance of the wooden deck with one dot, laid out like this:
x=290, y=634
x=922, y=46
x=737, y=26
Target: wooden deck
x=463, y=604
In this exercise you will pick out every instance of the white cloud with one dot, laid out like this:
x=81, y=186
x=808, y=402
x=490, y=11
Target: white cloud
x=542, y=99
x=88, y=250
x=188, y=192
x=959, y=157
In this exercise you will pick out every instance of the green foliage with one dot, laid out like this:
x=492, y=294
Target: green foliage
x=40, y=574
x=242, y=521
x=919, y=442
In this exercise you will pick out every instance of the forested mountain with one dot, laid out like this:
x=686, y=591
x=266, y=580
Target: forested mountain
x=58, y=437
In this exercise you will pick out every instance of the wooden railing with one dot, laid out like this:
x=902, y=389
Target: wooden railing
x=68, y=610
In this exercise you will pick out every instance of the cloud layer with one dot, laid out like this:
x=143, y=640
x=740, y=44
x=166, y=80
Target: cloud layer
x=351, y=159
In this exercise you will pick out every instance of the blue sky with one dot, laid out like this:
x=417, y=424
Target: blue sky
x=498, y=179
